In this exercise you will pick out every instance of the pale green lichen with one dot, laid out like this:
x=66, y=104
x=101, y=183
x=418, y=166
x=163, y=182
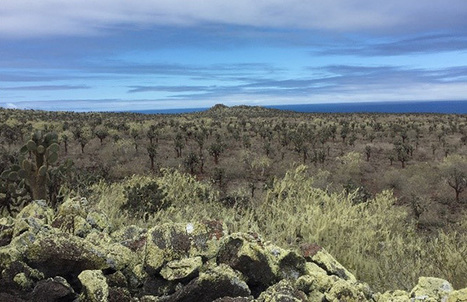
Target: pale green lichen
x=54, y=248
x=282, y=291
x=286, y=264
x=313, y=287
x=120, y=257
x=8, y=254
x=72, y=207
x=174, y=241
x=222, y=272
x=23, y=281
x=315, y=279
x=180, y=269
x=95, y=285
x=98, y=221
x=393, y=296
x=149, y=298
x=33, y=217
x=6, y=227
x=324, y=260
x=458, y=296
x=343, y=290
x=431, y=289
x=313, y=269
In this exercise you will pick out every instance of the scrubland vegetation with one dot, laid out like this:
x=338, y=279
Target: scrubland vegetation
x=382, y=193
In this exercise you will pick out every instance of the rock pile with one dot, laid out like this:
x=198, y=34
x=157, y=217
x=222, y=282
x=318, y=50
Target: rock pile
x=73, y=256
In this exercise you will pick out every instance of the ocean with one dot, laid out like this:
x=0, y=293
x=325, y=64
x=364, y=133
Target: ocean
x=456, y=107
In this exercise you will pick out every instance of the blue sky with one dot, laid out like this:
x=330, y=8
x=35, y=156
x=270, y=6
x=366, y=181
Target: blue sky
x=112, y=55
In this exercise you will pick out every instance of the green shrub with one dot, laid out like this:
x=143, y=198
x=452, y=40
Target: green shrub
x=147, y=198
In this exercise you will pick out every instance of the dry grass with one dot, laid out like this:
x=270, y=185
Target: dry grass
x=375, y=240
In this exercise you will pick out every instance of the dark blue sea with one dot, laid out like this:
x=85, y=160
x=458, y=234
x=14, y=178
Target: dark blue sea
x=457, y=107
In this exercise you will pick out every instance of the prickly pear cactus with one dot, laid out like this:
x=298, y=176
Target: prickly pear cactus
x=43, y=150
x=12, y=190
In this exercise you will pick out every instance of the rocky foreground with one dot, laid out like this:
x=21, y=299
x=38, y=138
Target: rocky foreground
x=72, y=255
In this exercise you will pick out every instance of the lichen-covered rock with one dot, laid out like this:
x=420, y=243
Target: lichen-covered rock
x=133, y=237
x=98, y=221
x=73, y=257
x=431, y=289
x=118, y=257
x=72, y=207
x=18, y=276
x=245, y=254
x=23, y=281
x=117, y=279
x=173, y=241
x=318, y=286
x=315, y=285
x=216, y=282
x=94, y=285
x=15, y=250
x=119, y=294
x=343, y=290
x=158, y=286
x=318, y=255
x=33, y=217
x=8, y=255
x=71, y=218
x=287, y=263
x=149, y=298
x=458, y=296
x=53, y=290
x=136, y=276
x=64, y=254
x=181, y=269
x=282, y=291
x=6, y=230
x=234, y=299
x=393, y=296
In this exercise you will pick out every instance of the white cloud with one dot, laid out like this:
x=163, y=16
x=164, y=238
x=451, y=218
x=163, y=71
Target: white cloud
x=82, y=17
x=11, y=106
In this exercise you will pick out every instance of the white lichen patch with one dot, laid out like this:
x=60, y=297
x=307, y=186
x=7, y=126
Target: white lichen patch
x=189, y=228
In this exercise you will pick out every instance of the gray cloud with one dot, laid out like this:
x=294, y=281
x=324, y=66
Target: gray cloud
x=46, y=87
x=415, y=45
x=135, y=89
x=76, y=17
x=335, y=78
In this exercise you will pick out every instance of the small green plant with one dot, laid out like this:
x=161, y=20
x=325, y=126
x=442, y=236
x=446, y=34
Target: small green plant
x=142, y=199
